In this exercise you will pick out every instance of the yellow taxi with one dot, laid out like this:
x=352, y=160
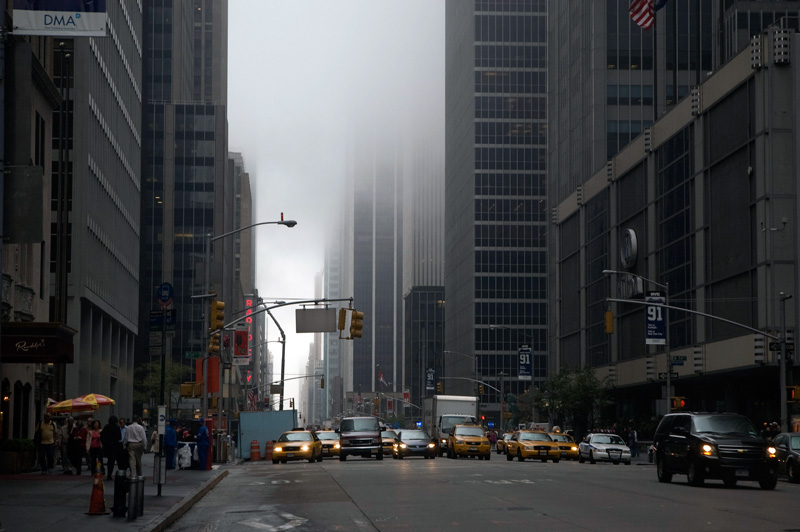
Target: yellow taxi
x=532, y=444
x=388, y=439
x=330, y=442
x=567, y=446
x=502, y=442
x=297, y=444
x=469, y=440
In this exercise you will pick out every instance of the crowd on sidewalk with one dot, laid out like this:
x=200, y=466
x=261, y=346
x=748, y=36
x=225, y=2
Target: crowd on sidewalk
x=76, y=444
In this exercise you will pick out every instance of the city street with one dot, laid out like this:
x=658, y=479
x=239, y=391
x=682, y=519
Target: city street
x=467, y=494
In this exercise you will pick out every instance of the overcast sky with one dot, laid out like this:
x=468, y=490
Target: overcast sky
x=298, y=71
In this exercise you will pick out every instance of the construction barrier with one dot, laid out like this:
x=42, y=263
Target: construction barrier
x=255, y=451
x=269, y=446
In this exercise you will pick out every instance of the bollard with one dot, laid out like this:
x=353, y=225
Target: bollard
x=133, y=494
x=120, y=492
x=140, y=497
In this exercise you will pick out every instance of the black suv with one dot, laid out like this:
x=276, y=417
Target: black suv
x=705, y=445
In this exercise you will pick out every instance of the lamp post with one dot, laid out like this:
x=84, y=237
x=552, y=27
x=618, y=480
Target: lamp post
x=473, y=358
x=209, y=240
x=666, y=326
x=784, y=422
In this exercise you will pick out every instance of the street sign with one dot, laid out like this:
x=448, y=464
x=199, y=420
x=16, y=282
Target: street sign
x=678, y=362
x=664, y=375
x=776, y=346
x=165, y=295
x=678, y=357
x=192, y=354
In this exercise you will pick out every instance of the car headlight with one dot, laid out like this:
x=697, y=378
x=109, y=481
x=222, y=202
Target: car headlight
x=708, y=450
x=403, y=446
x=459, y=442
x=771, y=451
x=336, y=445
x=431, y=445
x=574, y=448
x=279, y=449
x=304, y=448
x=377, y=440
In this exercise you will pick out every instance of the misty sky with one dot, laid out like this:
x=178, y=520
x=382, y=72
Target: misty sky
x=299, y=71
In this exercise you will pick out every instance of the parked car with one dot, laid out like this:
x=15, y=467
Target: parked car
x=787, y=445
x=297, y=445
x=500, y=446
x=330, y=442
x=468, y=440
x=704, y=445
x=414, y=443
x=603, y=447
x=567, y=446
x=532, y=444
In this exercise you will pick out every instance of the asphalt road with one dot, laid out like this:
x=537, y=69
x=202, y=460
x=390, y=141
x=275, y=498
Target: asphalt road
x=468, y=494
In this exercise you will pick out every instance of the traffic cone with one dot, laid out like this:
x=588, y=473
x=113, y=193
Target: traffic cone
x=97, y=504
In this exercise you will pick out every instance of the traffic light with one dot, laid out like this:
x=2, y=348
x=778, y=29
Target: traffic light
x=792, y=394
x=213, y=344
x=609, y=322
x=342, y=318
x=480, y=389
x=322, y=382
x=678, y=403
x=217, y=310
x=356, y=324
x=439, y=387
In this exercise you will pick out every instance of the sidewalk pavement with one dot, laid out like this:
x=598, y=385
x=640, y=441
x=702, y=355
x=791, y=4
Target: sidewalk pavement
x=32, y=502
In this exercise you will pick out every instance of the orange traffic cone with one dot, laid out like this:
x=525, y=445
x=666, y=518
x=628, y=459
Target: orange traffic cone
x=97, y=505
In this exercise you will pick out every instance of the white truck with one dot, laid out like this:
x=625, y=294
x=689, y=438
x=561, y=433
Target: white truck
x=441, y=413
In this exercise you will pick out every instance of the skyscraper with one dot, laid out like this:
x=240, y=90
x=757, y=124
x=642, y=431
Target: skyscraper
x=495, y=190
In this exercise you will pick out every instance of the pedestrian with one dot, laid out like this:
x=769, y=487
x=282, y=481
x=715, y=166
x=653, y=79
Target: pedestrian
x=135, y=439
x=48, y=438
x=123, y=461
x=633, y=442
x=63, y=444
x=111, y=438
x=203, y=444
x=170, y=443
x=77, y=445
x=94, y=448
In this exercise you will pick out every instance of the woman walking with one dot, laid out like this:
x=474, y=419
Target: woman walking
x=111, y=439
x=94, y=447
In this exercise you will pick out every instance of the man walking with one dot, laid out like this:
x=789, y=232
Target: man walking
x=64, y=434
x=135, y=438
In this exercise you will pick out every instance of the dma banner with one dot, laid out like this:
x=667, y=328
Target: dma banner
x=66, y=18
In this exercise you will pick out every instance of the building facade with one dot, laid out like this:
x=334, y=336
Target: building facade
x=710, y=219
x=495, y=192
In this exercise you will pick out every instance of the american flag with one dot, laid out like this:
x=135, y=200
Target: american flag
x=252, y=400
x=643, y=12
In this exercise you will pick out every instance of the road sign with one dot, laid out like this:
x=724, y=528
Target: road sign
x=678, y=357
x=664, y=375
x=165, y=295
x=776, y=346
x=192, y=354
x=678, y=362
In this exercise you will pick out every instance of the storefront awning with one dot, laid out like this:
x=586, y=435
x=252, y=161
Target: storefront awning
x=32, y=342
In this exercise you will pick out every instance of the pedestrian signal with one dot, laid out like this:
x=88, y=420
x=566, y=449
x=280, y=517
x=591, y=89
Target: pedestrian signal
x=678, y=403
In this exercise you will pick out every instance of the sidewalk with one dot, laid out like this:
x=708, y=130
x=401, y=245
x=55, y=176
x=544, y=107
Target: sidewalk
x=32, y=502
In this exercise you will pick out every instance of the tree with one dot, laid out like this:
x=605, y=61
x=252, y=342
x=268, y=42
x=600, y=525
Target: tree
x=147, y=377
x=573, y=395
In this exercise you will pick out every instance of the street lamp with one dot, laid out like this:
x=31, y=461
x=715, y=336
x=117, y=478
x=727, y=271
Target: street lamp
x=666, y=326
x=209, y=240
x=471, y=357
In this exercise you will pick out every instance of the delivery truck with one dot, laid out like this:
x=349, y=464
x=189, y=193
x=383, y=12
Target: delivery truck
x=441, y=413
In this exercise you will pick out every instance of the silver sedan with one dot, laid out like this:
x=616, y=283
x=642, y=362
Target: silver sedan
x=603, y=447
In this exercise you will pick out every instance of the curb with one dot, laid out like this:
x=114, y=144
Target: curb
x=177, y=511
